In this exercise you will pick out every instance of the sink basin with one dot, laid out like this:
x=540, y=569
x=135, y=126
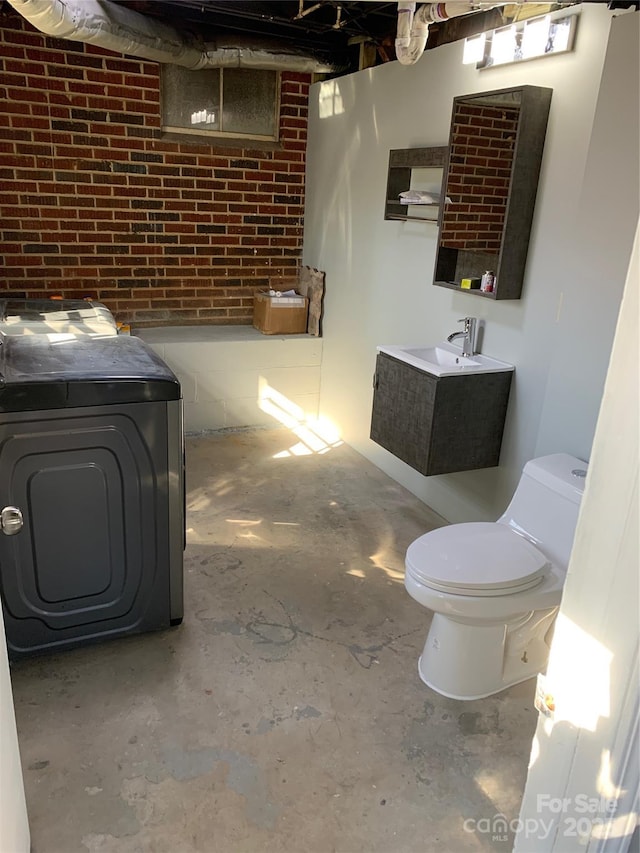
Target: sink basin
x=440, y=356
x=445, y=359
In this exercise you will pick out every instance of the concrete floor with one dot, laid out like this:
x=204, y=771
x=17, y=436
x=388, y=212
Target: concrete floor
x=286, y=713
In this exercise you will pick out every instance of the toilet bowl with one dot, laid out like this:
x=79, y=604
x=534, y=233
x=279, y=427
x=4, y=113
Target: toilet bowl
x=495, y=587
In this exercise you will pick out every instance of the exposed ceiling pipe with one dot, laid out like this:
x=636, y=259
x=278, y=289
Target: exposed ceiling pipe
x=122, y=30
x=411, y=34
x=413, y=27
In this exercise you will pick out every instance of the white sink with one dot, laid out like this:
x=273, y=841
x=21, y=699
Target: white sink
x=440, y=356
x=445, y=359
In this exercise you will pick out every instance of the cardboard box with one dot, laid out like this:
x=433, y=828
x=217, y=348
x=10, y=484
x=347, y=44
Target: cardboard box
x=280, y=315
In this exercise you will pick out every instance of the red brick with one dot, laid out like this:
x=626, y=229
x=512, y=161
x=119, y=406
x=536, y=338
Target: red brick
x=60, y=188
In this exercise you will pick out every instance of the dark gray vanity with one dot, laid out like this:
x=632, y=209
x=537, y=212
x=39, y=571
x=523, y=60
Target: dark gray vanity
x=439, y=424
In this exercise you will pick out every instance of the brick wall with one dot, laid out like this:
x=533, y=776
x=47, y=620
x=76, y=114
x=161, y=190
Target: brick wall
x=482, y=147
x=95, y=202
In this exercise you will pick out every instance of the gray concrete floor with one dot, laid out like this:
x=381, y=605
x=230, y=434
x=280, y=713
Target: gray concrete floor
x=286, y=714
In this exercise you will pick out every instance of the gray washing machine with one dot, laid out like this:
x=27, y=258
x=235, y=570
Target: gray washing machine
x=91, y=491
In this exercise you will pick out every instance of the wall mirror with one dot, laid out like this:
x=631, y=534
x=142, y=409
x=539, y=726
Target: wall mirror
x=496, y=143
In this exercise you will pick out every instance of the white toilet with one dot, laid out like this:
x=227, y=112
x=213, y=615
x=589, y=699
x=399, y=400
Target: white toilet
x=495, y=587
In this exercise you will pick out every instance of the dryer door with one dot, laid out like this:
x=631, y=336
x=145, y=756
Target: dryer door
x=84, y=562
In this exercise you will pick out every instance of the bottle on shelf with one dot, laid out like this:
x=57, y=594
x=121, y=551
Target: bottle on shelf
x=487, y=282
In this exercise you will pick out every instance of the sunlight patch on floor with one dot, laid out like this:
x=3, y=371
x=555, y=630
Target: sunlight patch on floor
x=356, y=573
x=379, y=560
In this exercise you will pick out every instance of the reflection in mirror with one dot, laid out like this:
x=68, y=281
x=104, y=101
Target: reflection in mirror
x=495, y=150
x=482, y=146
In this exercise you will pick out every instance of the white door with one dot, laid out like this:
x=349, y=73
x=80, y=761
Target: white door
x=14, y=826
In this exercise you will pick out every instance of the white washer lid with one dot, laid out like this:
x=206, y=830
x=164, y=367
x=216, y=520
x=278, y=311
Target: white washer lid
x=476, y=558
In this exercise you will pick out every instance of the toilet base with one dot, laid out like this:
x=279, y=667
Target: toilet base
x=472, y=661
x=424, y=679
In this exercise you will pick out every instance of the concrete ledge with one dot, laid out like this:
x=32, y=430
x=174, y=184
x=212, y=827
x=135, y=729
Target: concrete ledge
x=213, y=334
x=234, y=376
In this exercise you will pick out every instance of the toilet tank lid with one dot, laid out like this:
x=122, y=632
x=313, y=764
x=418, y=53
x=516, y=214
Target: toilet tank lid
x=560, y=472
x=476, y=555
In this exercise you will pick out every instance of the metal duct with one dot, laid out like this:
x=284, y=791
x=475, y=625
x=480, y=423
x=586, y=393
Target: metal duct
x=122, y=30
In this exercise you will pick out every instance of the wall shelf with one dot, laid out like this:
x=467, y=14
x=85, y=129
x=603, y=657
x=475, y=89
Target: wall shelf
x=411, y=218
x=403, y=164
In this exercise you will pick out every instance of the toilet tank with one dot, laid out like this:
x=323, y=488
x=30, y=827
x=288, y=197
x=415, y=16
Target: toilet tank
x=545, y=505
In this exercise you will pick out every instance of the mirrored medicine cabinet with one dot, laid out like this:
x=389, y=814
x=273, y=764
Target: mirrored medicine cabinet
x=490, y=181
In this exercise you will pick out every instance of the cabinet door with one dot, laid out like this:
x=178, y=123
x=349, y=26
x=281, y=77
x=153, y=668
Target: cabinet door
x=402, y=416
x=86, y=562
x=439, y=425
x=468, y=422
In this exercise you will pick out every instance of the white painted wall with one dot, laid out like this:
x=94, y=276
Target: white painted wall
x=14, y=826
x=379, y=273
x=588, y=751
x=582, y=791
x=234, y=376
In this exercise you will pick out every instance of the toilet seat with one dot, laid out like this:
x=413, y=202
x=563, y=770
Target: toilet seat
x=476, y=558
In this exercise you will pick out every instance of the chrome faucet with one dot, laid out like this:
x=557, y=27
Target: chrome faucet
x=469, y=335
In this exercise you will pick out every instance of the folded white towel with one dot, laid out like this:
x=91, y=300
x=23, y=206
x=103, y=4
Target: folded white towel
x=421, y=197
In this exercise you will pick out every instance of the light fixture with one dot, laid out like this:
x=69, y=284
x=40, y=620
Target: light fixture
x=561, y=35
x=474, y=49
x=503, y=45
x=533, y=38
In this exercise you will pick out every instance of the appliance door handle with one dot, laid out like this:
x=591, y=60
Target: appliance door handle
x=11, y=520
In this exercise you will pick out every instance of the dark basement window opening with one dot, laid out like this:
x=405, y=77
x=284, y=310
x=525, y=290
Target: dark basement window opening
x=221, y=103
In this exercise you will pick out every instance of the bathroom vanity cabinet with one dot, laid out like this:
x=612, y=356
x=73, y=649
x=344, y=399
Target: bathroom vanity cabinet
x=439, y=424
